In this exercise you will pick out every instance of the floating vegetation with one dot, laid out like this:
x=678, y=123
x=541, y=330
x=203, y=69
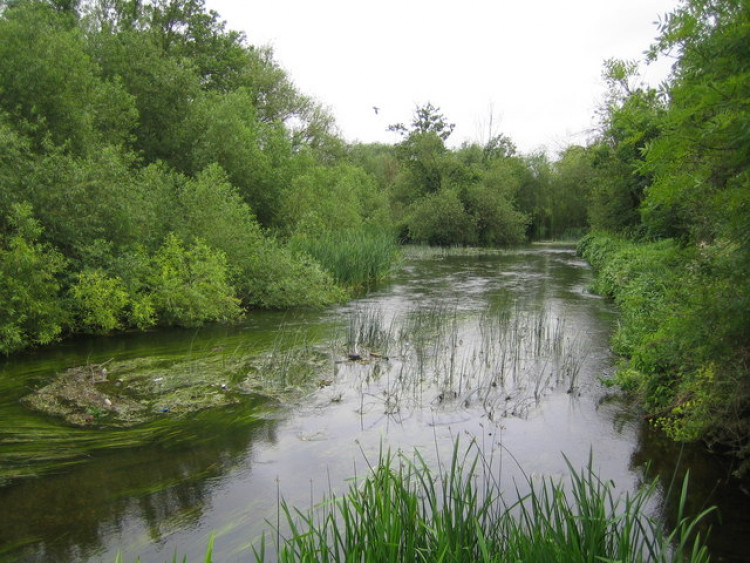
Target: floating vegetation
x=127, y=393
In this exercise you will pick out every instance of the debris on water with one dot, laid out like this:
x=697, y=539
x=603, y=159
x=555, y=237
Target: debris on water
x=318, y=436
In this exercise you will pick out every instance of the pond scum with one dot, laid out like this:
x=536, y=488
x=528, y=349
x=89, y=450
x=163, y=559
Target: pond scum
x=404, y=511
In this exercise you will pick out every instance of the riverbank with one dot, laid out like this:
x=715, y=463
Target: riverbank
x=682, y=347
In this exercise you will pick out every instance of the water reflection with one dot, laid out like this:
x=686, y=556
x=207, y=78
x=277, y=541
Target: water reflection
x=711, y=484
x=72, y=516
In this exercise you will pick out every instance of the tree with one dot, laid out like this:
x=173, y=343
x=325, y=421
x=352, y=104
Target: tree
x=700, y=163
x=570, y=186
x=427, y=119
x=440, y=219
x=224, y=129
x=51, y=87
x=630, y=121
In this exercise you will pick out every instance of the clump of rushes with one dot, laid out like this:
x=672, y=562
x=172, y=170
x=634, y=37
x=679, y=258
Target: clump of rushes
x=403, y=511
x=356, y=258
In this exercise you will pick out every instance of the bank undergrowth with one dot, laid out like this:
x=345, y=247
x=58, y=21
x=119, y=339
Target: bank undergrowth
x=682, y=338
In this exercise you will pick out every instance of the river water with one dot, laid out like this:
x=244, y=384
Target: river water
x=506, y=348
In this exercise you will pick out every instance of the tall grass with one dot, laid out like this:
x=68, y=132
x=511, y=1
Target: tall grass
x=356, y=258
x=404, y=511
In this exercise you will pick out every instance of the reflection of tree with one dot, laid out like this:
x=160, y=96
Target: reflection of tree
x=711, y=484
x=167, y=485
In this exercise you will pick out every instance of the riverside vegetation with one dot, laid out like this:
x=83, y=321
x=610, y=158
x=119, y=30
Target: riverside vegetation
x=671, y=242
x=404, y=511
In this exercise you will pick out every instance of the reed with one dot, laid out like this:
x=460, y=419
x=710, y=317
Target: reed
x=357, y=258
x=405, y=511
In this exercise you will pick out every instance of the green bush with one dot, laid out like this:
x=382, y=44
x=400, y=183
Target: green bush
x=497, y=223
x=278, y=278
x=32, y=311
x=440, y=219
x=682, y=335
x=99, y=301
x=189, y=286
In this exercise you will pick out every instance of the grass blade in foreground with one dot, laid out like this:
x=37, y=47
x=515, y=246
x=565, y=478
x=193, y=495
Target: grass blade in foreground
x=403, y=511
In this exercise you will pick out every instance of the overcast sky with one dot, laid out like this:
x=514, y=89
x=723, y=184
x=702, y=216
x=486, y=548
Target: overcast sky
x=534, y=65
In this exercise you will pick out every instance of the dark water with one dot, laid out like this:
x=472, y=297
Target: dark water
x=506, y=347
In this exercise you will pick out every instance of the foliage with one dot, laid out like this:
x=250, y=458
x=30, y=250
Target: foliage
x=440, y=219
x=676, y=173
x=31, y=311
x=403, y=511
x=100, y=301
x=573, y=181
x=279, y=278
x=427, y=119
x=189, y=286
x=153, y=146
x=51, y=85
x=332, y=198
x=223, y=128
x=497, y=222
x=444, y=197
x=680, y=336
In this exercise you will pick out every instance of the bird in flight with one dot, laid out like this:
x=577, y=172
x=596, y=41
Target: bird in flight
x=376, y=109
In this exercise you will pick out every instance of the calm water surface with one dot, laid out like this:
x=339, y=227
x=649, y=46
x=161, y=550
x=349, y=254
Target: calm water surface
x=507, y=348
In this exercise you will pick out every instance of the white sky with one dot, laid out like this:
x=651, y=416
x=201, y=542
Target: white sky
x=535, y=65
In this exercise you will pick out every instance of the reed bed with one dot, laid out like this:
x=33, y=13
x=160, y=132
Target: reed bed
x=357, y=258
x=405, y=511
x=440, y=356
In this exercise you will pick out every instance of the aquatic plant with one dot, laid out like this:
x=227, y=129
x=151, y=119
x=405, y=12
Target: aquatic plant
x=405, y=511
x=356, y=258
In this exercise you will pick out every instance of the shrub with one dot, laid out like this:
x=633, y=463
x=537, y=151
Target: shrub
x=682, y=335
x=32, y=311
x=440, y=219
x=278, y=278
x=189, y=286
x=99, y=301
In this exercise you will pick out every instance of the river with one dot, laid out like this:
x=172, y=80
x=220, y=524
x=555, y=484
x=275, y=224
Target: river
x=508, y=348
